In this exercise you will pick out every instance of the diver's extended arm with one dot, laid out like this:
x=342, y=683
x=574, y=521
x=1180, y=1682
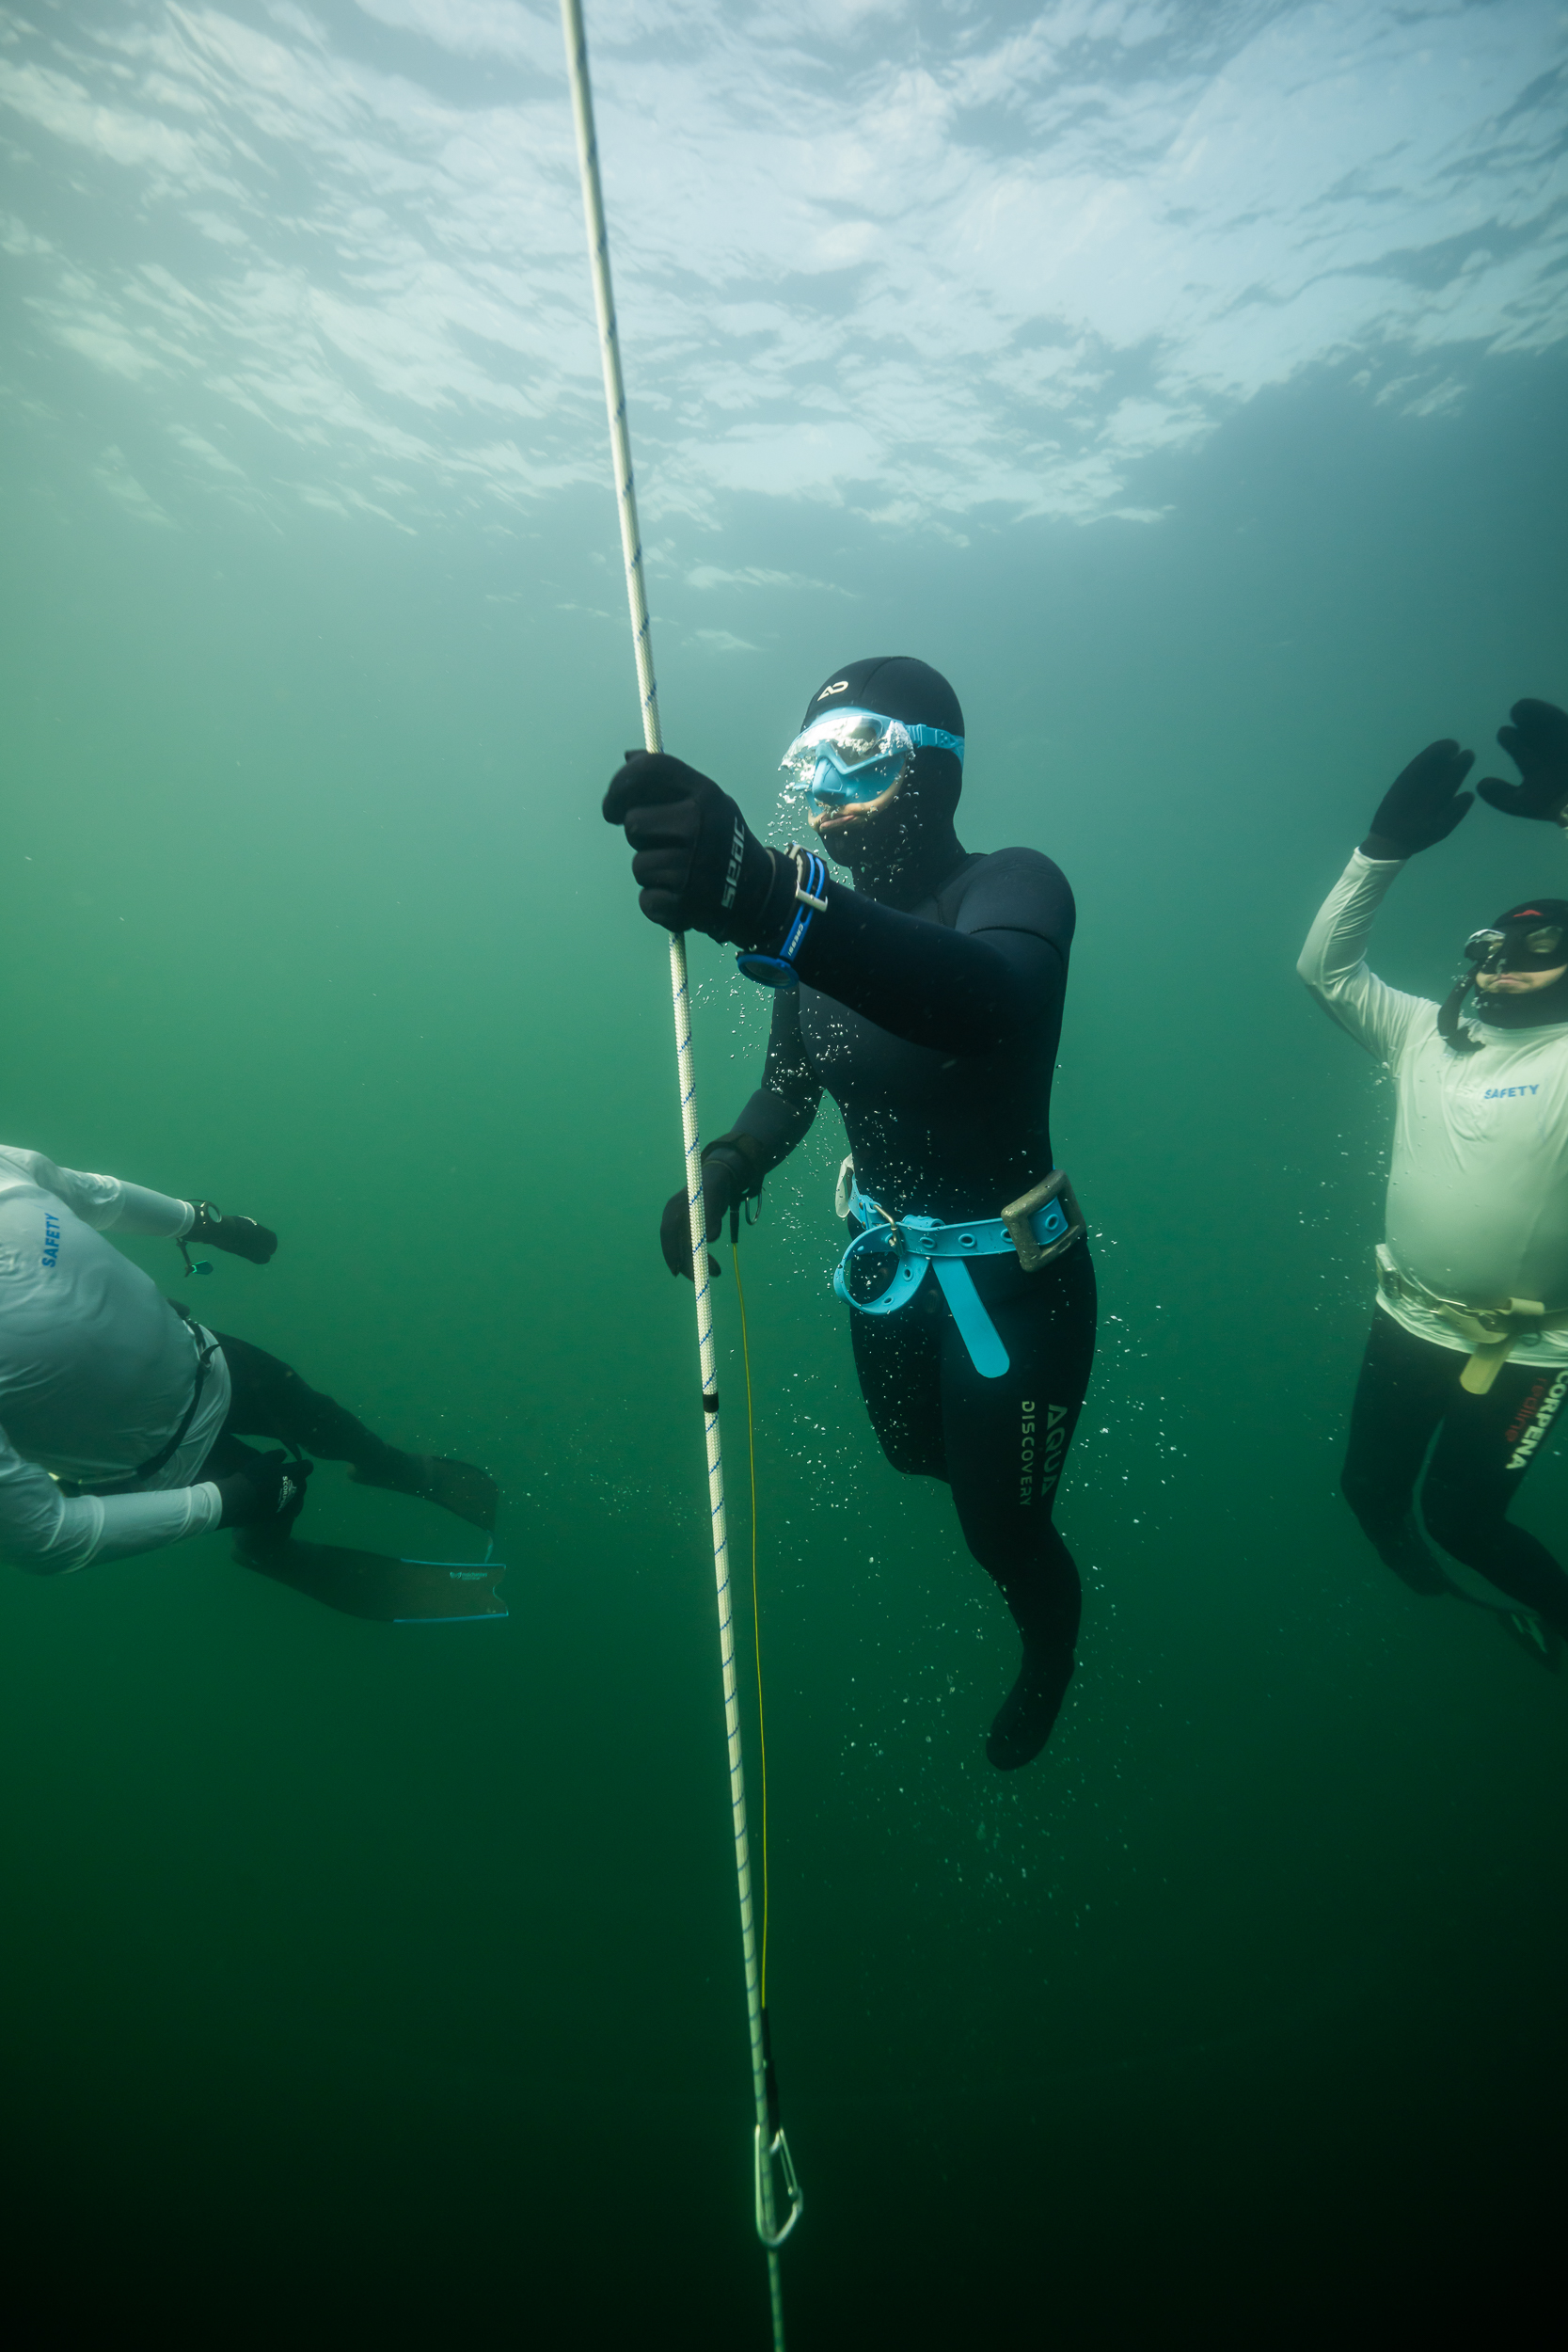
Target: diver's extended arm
x=110, y=1205
x=51, y=1534
x=699, y=866
x=780, y=1113
x=105, y=1202
x=1421, y=807
x=1333, y=963
x=768, y=1129
x=963, y=990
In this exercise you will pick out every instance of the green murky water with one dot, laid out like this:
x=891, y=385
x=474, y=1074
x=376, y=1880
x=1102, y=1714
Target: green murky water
x=376, y=1984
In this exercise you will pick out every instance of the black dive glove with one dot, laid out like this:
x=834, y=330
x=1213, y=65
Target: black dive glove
x=698, y=864
x=731, y=1171
x=1537, y=743
x=241, y=1235
x=269, y=1492
x=1423, y=803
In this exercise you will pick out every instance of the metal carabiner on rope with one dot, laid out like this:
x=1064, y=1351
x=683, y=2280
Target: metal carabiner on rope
x=764, y=2151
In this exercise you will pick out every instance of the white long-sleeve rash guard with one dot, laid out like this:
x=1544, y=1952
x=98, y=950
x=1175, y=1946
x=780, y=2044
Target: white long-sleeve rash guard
x=1478, y=1185
x=96, y=1371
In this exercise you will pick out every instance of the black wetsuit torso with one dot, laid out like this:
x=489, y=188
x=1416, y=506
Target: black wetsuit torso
x=934, y=1027
x=938, y=1050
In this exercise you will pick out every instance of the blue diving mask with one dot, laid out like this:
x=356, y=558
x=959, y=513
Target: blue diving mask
x=849, y=756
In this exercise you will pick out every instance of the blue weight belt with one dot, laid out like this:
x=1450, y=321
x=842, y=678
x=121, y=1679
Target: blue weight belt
x=919, y=1242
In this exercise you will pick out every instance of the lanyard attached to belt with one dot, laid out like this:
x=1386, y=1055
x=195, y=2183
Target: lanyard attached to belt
x=205, y=1351
x=1490, y=1333
x=1040, y=1227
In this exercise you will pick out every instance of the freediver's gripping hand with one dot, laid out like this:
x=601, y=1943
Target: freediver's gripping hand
x=724, y=1182
x=1423, y=804
x=268, y=1493
x=697, y=864
x=241, y=1235
x=1537, y=743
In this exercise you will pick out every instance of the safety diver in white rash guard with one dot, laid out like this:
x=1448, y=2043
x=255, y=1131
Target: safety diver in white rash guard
x=119, y=1413
x=1469, y=1344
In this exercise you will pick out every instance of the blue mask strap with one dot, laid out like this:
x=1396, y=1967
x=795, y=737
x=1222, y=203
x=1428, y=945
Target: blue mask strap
x=937, y=740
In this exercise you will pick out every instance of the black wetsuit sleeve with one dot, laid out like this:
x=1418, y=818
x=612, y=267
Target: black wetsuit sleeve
x=783, y=1107
x=996, y=974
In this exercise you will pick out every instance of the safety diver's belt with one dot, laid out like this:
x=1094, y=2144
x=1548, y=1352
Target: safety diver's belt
x=1490, y=1333
x=1041, y=1226
x=206, y=1348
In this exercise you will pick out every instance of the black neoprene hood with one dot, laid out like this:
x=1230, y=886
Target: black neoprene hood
x=895, y=685
x=1520, y=922
x=1542, y=1007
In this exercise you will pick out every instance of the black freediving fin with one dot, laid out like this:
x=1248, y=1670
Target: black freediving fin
x=372, y=1584
x=1523, y=1627
x=469, y=1493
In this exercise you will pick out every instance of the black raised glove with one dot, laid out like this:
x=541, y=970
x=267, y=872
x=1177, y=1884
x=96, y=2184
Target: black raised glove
x=1537, y=743
x=269, y=1492
x=1423, y=803
x=698, y=864
x=239, y=1236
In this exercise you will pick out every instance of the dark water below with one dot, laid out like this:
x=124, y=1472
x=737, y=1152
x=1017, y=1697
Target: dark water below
x=366, y=1984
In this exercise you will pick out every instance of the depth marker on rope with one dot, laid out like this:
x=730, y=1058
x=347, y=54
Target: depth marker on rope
x=769, y=2145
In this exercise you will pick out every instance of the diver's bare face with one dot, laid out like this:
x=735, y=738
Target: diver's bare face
x=1518, y=983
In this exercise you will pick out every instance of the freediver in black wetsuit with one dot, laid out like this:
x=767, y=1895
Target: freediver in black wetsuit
x=928, y=1001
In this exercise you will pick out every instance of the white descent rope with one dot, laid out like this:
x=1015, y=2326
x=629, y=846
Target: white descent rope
x=769, y=2141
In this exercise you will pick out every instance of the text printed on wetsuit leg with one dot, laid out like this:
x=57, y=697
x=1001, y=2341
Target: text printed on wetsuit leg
x=1535, y=1417
x=1049, y=1465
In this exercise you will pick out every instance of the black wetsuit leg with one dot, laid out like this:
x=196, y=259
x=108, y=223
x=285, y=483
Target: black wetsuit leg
x=1400, y=1397
x=1409, y=1393
x=898, y=1363
x=1000, y=1444
x=270, y=1400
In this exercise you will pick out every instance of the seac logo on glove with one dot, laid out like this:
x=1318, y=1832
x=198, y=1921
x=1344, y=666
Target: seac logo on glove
x=697, y=864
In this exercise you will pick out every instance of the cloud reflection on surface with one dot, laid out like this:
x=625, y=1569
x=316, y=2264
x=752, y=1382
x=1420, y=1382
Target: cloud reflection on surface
x=915, y=262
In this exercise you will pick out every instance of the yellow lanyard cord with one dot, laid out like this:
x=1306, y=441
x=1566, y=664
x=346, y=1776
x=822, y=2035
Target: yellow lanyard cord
x=756, y=1615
